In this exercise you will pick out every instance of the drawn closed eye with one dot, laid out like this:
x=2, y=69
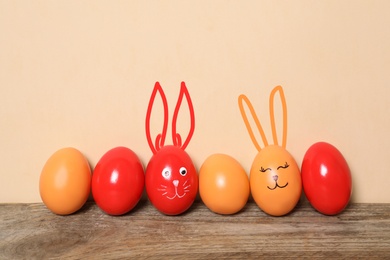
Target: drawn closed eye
x=283, y=166
x=264, y=170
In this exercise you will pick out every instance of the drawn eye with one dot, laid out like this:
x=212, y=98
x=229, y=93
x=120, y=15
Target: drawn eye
x=264, y=170
x=183, y=171
x=166, y=173
x=283, y=166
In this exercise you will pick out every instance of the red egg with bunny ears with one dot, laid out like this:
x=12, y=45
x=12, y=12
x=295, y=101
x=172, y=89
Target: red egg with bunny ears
x=171, y=179
x=275, y=179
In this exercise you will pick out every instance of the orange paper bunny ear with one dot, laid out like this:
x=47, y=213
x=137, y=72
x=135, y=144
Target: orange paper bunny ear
x=243, y=99
x=272, y=115
x=160, y=139
x=177, y=141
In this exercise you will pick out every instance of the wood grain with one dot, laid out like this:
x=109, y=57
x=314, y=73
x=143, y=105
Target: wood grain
x=30, y=231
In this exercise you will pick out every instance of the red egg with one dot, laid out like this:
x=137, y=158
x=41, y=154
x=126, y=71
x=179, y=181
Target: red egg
x=118, y=181
x=326, y=178
x=171, y=180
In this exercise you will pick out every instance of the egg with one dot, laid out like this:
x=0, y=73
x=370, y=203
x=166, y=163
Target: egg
x=118, y=181
x=65, y=181
x=275, y=181
x=326, y=178
x=223, y=184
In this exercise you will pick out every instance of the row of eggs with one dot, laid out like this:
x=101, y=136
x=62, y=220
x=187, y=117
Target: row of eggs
x=172, y=182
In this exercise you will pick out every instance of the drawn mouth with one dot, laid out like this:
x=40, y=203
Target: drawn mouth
x=176, y=195
x=277, y=186
x=175, y=184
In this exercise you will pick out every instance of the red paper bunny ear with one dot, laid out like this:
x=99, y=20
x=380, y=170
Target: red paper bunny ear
x=177, y=141
x=160, y=139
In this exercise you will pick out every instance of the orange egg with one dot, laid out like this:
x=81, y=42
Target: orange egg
x=223, y=184
x=65, y=181
x=275, y=181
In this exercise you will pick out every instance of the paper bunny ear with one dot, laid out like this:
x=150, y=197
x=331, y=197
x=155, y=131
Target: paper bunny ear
x=243, y=98
x=272, y=115
x=177, y=141
x=160, y=139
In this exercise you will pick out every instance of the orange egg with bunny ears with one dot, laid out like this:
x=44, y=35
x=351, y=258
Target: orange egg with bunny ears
x=275, y=179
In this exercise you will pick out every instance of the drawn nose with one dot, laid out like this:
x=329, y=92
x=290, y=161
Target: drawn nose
x=175, y=182
x=275, y=177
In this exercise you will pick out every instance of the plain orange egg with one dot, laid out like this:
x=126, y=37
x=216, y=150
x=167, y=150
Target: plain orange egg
x=223, y=184
x=65, y=181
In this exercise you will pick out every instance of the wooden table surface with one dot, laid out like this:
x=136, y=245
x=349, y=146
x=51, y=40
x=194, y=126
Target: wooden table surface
x=31, y=231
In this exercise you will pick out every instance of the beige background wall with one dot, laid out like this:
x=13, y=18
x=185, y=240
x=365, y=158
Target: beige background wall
x=80, y=73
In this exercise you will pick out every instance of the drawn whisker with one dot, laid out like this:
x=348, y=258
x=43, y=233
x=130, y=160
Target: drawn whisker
x=186, y=187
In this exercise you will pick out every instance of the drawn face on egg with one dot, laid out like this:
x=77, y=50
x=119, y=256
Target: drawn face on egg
x=171, y=178
x=275, y=180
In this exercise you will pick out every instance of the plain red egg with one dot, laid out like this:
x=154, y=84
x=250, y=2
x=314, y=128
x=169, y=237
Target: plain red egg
x=326, y=178
x=118, y=181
